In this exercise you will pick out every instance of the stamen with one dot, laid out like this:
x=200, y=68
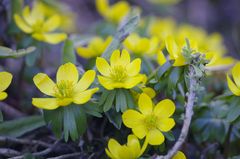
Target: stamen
x=64, y=89
x=118, y=73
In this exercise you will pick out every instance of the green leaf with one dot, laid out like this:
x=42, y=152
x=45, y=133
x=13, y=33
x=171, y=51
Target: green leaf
x=80, y=119
x=109, y=102
x=121, y=34
x=1, y=116
x=130, y=100
x=92, y=109
x=68, y=53
x=164, y=68
x=18, y=127
x=55, y=119
x=9, y=53
x=121, y=103
x=169, y=135
x=174, y=77
x=234, y=110
x=115, y=118
x=103, y=97
x=69, y=124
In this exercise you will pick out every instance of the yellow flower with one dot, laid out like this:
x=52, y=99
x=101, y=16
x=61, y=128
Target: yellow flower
x=121, y=73
x=67, y=17
x=114, y=13
x=179, y=155
x=141, y=45
x=35, y=23
x=67, y=89
x=95, y=48
x=150, y=121
x=162, y=28
x=5, y=80
x=234, y=85
x=131, y=150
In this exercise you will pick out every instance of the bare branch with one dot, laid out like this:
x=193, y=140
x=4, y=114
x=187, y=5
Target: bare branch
x=187, y=118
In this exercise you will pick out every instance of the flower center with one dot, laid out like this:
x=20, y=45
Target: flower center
x=64, y=89
x=151, y=121
x=38, y=26
x=118, y=73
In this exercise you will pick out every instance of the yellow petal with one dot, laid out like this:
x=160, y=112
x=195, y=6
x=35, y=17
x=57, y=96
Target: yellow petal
x=161, y=58
x=140, y=131
x=86, y=80
x=105, y=82
x=64, y=101
x=155, y=137
x=164, y=108
x=166, y=124
x=149, y=91
x=133, y=81
x=109, y=154
x=133, y=145
x=5, y=80
x=85, y=96
x=236, y=74
x=67, y=72
x=115, y=58
x=132, y=118
x=125, y=57
x=179, y=61
x=134, y=67
x=21, y=24
x=27, y=16
x=102, y=6
x=172, y=47
x=85, y=52
x=45, y=103
x=145, y=104
x=52, y=38
x=114, y=148
x=179, y=155
x=44, y=84
x=103, y=66
x=51, y=23
x=235, y=90
x=3, y=95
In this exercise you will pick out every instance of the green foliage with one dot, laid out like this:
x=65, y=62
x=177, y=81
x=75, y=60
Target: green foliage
x=18, y=127
x=68, y=53
x=9, y=53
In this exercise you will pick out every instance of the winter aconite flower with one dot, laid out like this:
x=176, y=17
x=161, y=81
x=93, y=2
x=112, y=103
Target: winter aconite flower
x=141, y=45
x=5, y=80
x=131, y=150
x=234, y=85
x=34, y=22
x=66, y=90
x=114, y=13
x=179, y=155
x=121, y=73
x=152, y=120
x=94, y=48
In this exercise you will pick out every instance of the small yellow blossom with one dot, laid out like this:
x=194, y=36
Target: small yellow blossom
x=95, y=47
x=67, y=17
x=131, y=150
x=152, y=120
x=121, y=73
x=141, y=45
x=179, y=155
x=67, y=89
x=114, y=13
x=162, y=28
x=234, y=85
x=35, y=23
x=5, y=81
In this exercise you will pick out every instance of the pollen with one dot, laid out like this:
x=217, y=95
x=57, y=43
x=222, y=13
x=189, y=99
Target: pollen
x=64, y=89
x=118, y=73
